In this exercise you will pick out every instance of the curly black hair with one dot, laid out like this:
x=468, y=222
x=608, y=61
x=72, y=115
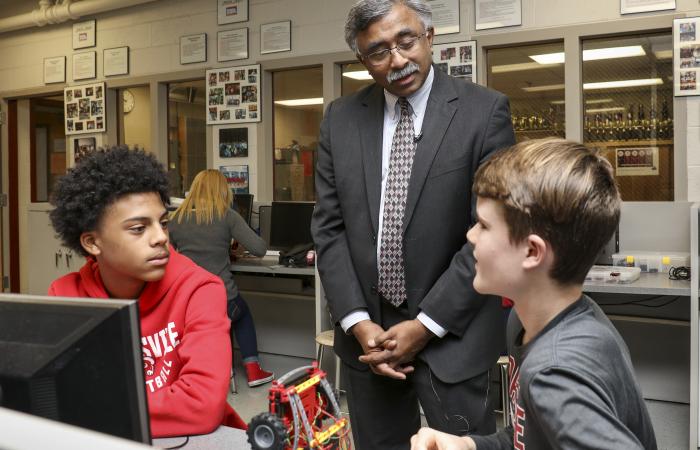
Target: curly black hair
x=81, y=196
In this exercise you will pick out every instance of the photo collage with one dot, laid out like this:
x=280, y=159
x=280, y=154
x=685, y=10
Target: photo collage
x=688, y=51
x=84, y=109
x=233, y=95
x=457, y=59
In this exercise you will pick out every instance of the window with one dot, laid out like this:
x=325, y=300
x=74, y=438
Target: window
x=355, y=77
x=628, y=111
x=532, y=76
x=187, y=153
x=134, y=114
x=297, y=96
x=48, y=146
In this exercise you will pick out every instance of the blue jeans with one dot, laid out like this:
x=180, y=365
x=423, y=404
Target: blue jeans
x=243, y=328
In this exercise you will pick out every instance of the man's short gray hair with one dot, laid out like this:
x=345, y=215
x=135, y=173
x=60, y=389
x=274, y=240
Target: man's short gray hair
x=365, y=12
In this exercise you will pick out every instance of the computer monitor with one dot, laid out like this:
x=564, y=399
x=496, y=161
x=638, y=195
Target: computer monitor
x=264, y=221
x=243, y=204
x=290, y=224
x=77, y=361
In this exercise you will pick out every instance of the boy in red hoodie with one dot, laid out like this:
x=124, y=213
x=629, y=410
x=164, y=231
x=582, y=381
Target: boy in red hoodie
x=111, y=208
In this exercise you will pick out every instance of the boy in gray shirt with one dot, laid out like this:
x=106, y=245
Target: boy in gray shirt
x=545, y=208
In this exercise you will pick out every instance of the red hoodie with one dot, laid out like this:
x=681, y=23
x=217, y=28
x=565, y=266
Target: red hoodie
x=185, y=342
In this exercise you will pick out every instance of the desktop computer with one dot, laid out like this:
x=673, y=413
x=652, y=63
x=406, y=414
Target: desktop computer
x=290, y=225
x=77, y=361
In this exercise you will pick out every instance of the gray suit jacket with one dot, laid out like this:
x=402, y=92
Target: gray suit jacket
x=464, y=123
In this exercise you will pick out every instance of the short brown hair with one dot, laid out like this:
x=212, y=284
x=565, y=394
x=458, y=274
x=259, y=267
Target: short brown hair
x=559, y=190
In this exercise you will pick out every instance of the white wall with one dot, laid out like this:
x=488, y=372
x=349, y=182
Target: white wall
x=152, y=32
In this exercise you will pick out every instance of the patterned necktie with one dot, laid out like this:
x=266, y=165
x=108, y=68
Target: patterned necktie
x=392, y=284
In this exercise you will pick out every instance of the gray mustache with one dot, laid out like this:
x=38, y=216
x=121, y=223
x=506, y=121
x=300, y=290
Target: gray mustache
x=394, y=75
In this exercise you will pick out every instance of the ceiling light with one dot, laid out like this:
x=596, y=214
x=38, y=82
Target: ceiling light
x=518, y=67
x=557, y=102
x=622, y=83
x=546, y=87
x=663, y=54
x=602, y=110
x=548, y=58
x=301, y=101
x=597, y=101
x=592, y=55
x=613, y=52
x=358, y=75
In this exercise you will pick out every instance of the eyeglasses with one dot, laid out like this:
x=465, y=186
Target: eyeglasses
x=381, y=57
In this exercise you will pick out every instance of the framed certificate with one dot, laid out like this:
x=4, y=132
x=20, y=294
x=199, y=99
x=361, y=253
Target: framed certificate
x=639, y=6
x=115, y=61
x=84, y=34
x=231, y=11
x=445, y=16
x=232, y=45
x=193, y=48
x=276, y=37
x=84, y=65
x=497, y=13
x=55, y=70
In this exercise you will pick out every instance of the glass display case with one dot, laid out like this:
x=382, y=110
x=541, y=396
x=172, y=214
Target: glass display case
x=628, y=110
x=532, y=76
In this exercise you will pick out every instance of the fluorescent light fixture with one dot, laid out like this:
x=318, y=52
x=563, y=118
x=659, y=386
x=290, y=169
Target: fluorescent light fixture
x=602, y=110
x=556, y=102
x=358, y=75
x=300, y=102
x=548, y=58
x=613, y=52
x=545, y=87
x=663, y=54
x=518, y=67
x=592, y=54
x=622, y=84
x=597, y=101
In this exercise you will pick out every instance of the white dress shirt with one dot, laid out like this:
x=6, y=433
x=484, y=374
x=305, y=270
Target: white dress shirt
x=392, y=113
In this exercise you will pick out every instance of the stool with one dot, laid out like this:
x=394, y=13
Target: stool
x=325, y=339
x=505, y=382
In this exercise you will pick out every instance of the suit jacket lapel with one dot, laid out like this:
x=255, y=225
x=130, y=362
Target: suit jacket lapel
x=438, y=115
x=371, y=125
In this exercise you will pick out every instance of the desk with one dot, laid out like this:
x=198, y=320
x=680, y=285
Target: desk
x=658, y=336
x=268, y=265
x=648, y=283
x=223, y=438
x=284, y=302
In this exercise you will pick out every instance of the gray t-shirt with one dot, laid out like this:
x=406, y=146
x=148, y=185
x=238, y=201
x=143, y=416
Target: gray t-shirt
x=572, y=387
x=208, y=244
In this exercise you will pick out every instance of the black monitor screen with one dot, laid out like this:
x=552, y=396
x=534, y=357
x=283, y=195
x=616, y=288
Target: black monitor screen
x=290, y=224
x=243, y=204
x=77, y=361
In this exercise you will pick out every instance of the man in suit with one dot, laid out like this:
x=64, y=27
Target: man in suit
x=393, y=204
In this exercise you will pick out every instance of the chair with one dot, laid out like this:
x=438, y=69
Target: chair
x=325, y=339
x=505, y=382
x=233, y=386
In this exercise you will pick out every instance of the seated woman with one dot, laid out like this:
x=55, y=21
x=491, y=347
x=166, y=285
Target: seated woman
x=202, y=228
